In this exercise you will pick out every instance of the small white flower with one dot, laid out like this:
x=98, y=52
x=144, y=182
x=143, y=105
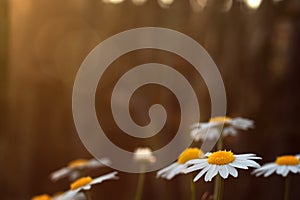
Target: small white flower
x=144, y=155
x=282, y=166
x=85, y=183
x=73, y=169
x=176, y=168
x=222, y=162
x=211, y=130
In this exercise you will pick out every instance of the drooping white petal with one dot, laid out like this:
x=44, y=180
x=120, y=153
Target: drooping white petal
x=176, y=170
x=196, y=161
x=223, y=171
x=229, y=131
x=69, y=194
x=166, y=169
x=238, y=164
x=249, y=163
x=280, y=169
x=59, y=174
x=93, y=163
x=195, y=167
x=285, y=171
x=100, y=179
x=293, y=169
x=210, y=172
x=201, y=173
x=232, y=171
x=270, y=171
x=242, y=123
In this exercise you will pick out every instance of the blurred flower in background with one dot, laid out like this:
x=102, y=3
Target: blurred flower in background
x=212, y=129
x=76, y=167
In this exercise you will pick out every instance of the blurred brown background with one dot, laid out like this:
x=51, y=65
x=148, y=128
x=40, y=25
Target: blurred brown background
x=43, y=43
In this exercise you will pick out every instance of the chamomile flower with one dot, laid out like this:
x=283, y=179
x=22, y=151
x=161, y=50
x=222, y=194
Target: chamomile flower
x=283, y=165
x=212, y=129
x=74, y=167
x=85, y=183
x=176, y=168
x=222, y=162
x=144, y=155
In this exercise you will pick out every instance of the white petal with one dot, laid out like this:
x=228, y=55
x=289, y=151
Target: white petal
x=229, y=131
x=201, y=173
x=232, y=171
x=104, y=177
x=196, y=161
x=87, y=187
x=238, y=164
x=213, y=173
x=270, y=171
x=174, y=171
x=285, y=171
x=223, y=171
x=293, y=169
x=210, y=172
x=249, y=163
x=59, y=174
x=280, y=169
x=164, y=170
x=195, y=167
x=242, y=123
x=69, y=194
x=93, y=163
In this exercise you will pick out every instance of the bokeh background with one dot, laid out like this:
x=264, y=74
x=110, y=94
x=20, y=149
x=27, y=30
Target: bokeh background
x=254, y=43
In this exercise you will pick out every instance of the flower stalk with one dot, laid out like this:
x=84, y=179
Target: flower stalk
x=140, y=186
x=193, y=189
x=287, y=187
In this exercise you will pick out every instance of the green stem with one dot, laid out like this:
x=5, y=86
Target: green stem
x=220, y=143
x=87, y=195
x=193, y=189
x=287, y=187
x=140, y=186
x=218, y=188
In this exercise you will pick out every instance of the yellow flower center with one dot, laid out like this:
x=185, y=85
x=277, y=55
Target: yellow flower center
x=220, y=119
x=81, y=182
x=41, y=197
x=287, y=160
x=189, y=154
x=77, y=163
x=221, y=158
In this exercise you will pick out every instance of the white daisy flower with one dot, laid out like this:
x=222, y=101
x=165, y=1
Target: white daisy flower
x=74, y=167
x=282, y=166
x=211, y=130
x=85, y=183
x=144, y=155
x=176, y=168
x=222, y=162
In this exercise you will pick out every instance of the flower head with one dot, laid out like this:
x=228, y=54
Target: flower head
x=222, y=162
x=212, y=129
x=73, y=168
x=282, y=166
x=174, y=169
x=144, y=155
x=85, y=183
